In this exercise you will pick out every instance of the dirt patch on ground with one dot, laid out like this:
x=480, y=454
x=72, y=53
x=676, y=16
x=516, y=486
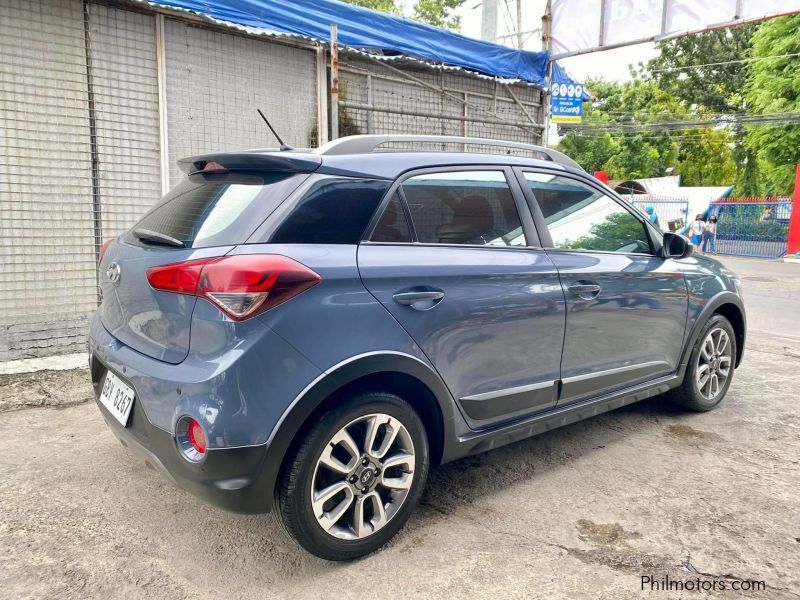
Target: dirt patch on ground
x=603, y=533
x=682, y=431
x=45, y=389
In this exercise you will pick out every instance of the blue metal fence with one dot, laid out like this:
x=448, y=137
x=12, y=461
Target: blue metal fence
x=752, y=227
x=672, y=213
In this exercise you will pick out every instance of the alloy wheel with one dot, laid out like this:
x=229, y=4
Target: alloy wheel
x=713, y=363
x=363, y=476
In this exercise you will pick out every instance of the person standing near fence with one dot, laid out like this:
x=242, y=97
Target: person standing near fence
x=696, y=230
x=710, y=235
x=651, y=212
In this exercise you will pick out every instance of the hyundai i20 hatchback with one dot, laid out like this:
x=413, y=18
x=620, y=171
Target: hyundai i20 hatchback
x=315, y=329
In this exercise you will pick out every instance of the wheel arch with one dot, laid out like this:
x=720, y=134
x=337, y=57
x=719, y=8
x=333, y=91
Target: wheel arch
x=735, y=315
x=731, y=307
x=397, y=373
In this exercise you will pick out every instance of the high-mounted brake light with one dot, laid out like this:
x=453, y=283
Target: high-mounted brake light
x=241, y=286
x=102, y=252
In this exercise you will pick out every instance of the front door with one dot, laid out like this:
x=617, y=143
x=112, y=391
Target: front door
x=626, y=306
x=456, y=262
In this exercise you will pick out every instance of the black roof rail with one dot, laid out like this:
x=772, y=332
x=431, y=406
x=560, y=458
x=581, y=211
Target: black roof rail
x=364, y=144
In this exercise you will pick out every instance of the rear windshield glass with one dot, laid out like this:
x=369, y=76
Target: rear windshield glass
x=208, y=209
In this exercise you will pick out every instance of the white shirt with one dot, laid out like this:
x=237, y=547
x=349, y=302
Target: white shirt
x=697, y=227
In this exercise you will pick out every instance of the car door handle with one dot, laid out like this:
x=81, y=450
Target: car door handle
x=585, y=290
x=421, y=299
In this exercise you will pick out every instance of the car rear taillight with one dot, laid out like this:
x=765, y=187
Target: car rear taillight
x=241, y=286
x=102, y=252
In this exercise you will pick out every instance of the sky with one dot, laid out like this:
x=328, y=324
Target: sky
x=609, y=64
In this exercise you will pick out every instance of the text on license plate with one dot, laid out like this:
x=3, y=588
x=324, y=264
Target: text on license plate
x=117, y=397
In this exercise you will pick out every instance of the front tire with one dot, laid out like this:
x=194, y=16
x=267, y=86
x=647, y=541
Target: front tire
x=355, y=478
x=711, y=365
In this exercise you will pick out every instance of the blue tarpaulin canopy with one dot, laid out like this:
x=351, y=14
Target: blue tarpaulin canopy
x=370, y=30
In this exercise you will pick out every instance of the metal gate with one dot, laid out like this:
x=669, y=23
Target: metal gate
x=752, y=228
x=672, y=215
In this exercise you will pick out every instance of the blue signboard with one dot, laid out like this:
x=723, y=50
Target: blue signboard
x=566, y=98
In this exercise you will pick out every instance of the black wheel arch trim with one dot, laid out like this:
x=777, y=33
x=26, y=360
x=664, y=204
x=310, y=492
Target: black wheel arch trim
x=711, y=307
x=318, y=391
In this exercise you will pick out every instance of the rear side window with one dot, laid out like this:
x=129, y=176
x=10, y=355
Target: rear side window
x=393, y=224
x=334, y=210
x=218, y=209
x=464, y=207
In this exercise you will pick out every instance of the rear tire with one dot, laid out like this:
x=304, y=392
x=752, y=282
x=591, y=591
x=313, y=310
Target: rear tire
x=711, y=366
x=356, y=477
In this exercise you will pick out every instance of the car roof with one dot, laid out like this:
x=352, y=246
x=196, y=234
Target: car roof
x=388, y=164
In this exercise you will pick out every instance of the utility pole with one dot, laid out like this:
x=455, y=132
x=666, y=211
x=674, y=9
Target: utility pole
x=334, y=82
x=519, y=24
x=547, y=45
x=489, y=20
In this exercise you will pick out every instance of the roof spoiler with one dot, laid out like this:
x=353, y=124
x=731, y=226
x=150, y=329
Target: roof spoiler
x=250, y=161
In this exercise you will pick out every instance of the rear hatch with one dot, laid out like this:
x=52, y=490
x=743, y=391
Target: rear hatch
x=206, y=215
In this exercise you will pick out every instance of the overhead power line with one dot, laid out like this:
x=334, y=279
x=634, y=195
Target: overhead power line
x=722, y=63
x=655, y=126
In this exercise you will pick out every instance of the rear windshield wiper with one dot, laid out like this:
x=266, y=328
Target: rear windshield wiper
x=153, y=237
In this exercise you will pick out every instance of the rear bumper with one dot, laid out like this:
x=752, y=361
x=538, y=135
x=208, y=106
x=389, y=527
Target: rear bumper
x=226, y=394
x=237, y=479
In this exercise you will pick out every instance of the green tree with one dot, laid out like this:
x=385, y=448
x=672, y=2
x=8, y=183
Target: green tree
x=688, y=68
x=705, y=73
x=433, y=12
x=701, y=156
x=773, y=86
x=388, y=6
x=623, y=153
x=705, y=157
x=592, y=152
x=438, y=13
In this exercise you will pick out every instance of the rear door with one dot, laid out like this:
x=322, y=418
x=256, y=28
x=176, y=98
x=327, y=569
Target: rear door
x=454, y=257
x=626, y=305
x=205, y=215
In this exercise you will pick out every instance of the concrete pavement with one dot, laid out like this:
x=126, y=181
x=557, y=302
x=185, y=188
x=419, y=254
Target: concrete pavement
x=581, y=512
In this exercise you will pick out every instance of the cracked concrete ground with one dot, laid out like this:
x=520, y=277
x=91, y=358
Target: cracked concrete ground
x=581, y=512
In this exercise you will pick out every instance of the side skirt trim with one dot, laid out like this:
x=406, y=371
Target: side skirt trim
x=473, y=443
x=491, y=405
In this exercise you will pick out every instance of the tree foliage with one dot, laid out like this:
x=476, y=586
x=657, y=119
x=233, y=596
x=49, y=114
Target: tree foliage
x=773, y=86
x=706, y=158
x=685, y=82
x=706, y=74
x=687, y=68
x=439, y=13
x=702, y=158
x=389, y=6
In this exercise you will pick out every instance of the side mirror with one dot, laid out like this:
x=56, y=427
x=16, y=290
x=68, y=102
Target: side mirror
x=676, y=246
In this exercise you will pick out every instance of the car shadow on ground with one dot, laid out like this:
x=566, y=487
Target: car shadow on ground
x=464, y=481
x=458, y=485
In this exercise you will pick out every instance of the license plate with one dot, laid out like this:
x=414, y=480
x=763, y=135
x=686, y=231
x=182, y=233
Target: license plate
x=117, y=397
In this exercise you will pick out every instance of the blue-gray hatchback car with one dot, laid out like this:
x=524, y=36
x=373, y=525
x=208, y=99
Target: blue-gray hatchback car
x=318, y=328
